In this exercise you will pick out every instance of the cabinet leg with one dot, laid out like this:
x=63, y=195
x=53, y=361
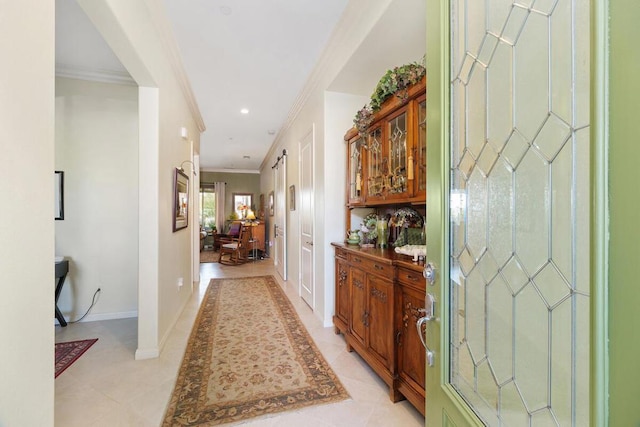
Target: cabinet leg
x=336, y=330
x=349, y=348
x=395, y=395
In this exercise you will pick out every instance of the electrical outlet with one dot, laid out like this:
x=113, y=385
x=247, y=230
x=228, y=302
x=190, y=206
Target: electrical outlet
x=180, y=282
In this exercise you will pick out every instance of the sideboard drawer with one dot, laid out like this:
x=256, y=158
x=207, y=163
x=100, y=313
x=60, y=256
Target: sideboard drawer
x=371, y=266
x=411, y=278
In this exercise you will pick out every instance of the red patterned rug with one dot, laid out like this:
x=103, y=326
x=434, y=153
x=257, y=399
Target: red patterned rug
x=69, y=352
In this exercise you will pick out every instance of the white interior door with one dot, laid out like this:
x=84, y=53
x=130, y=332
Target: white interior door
x=305, y=214
x=280, y=228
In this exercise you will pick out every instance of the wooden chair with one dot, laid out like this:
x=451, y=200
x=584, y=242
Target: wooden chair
x=230, y=237
x=238, y=250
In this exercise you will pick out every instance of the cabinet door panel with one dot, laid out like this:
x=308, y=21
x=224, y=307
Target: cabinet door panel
x=342, y=290
x=381, y=318
x=411, y=353
x=358, y=317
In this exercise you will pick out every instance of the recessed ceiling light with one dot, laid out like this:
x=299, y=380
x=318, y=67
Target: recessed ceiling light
x=245, y=111
x=246, y=157
x=271, y=132
x=225, y=10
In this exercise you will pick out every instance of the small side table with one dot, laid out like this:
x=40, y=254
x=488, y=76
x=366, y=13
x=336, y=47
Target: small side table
x=62, y=268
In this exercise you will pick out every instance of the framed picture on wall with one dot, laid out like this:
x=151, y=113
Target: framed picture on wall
x=271, y=211
x=180, y=200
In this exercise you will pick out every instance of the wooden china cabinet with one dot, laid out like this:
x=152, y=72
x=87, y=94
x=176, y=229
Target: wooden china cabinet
x=379, y=293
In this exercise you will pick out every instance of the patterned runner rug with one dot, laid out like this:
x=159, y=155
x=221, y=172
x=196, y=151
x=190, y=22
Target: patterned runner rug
x=248, y=355
x=209, y=256
x=69, y=352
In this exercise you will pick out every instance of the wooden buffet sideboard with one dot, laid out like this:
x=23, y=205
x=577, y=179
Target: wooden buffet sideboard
x=379, y=294
x=379, y=297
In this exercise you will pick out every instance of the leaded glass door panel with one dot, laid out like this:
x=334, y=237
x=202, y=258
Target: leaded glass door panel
x=512, y=226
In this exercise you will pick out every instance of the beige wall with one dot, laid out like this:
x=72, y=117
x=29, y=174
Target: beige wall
x=97, y=148
x=139, y=35
x=26, y=219
x=236, y=183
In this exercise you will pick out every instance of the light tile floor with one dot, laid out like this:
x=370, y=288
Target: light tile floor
x=107, y=387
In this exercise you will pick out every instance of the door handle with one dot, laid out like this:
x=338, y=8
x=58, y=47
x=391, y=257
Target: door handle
x=421, y=321
x=429, y=314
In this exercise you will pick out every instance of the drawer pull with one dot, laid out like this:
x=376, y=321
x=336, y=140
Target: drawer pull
x=357, y=260
x=412, y=278
x=377, y=267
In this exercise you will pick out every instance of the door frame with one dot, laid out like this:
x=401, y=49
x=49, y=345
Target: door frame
x=307, y=140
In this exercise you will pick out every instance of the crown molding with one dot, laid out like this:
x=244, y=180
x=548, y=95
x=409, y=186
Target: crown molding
x=158, y=15
x=92, y=74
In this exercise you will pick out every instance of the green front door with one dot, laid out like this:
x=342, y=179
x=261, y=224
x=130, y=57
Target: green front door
x=508, y=212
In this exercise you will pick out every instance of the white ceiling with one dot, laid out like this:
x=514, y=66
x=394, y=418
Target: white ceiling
x=254, y=54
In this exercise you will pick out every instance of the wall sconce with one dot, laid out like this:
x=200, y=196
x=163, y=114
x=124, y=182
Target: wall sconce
x=193, y=167
x=184, y=133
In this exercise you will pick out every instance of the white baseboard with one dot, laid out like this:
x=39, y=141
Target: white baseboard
x=147, y=353
x=104, y=316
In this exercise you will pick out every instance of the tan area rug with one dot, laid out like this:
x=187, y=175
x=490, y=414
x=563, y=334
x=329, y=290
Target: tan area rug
x=248, y=355
x=209, y=256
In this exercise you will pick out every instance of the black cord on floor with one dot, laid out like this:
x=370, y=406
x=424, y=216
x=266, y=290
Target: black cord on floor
x=93, y=302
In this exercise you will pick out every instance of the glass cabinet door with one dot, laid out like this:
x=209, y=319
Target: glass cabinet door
x=420, y=153
x=356, y=183
x=397, y=182
x=376, y=165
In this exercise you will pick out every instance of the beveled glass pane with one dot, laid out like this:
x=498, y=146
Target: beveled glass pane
x=531, y=347
x=488, y=389
x=499, y=328
x=501, y=212
x=514, y=275
x=475, y=315
x=546, y=7
x=551, y=285
x=487, y=159
x=582, y=321
x=561, y=73
x=543, y=418
x=532, y=76
x=497, y=13
x=562, y=244
x=477, y=213
x=476, y=111
x=552, y=137
x=515, y=149
x=500, y=97
x=488, y=267
x=458, y=122
x=475, y=24
x=486, y=50
x=561, y=365
x=532, y=212
x=515, y=22
x=511, y=408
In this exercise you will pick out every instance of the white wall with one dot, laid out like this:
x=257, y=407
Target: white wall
x=26, y=219
x=97, y=148
x=137, y=33
x=332, y=115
